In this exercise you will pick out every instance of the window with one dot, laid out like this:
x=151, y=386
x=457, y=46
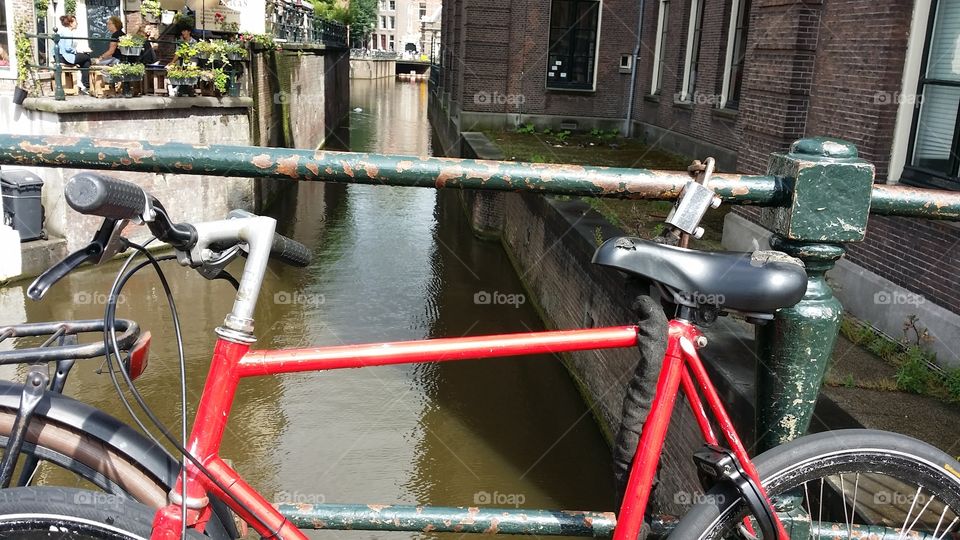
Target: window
x=393, y=5
x=392, y=44
x=6, y=41
x=736, y=53
x=659, y=50
x=423, y=11
x=383, y=22
x=692, y=59
x=935, y=138
x=393, y=22
x=574, y=37
x=383, y=41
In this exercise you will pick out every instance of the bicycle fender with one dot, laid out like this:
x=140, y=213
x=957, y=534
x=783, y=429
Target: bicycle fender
x=100, y=425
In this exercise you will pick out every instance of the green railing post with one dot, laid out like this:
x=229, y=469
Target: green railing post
x=830, y=205
x=58, y=94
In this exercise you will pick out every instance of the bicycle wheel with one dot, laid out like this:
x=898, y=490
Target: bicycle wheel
x=71, y=458
x=852, y=484
x=33, y=513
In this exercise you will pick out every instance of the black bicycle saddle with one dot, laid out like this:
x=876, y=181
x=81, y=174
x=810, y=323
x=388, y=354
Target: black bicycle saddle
x=758, y=282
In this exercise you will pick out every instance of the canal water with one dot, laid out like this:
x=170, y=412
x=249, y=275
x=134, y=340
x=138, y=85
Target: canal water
x=389, y=264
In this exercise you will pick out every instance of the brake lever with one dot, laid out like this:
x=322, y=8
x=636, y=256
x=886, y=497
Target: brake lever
x=105, y=244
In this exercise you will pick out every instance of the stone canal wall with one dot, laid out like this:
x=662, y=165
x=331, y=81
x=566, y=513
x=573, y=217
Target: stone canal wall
x=370, y=68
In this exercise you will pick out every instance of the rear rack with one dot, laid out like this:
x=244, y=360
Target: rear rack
x=59, y=345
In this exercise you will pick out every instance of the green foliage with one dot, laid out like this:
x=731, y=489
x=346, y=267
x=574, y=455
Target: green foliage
x=527, y=129
x=188, y=71
x=236, y=49
x=362, y=18
x=182, y=20
x=537, y=158
x=150, y=7
x=262, y=41
x=598, y=235
x=562, y=136
x=218, y=77
x=126, y=70
x=331, y=10
x=24, y=48
x=41, y=7
x=131, y=40
x=70, y=7
x=604, y=136
x=914, y=373
x=547, y=131
x=953, y=384
x=186, y=52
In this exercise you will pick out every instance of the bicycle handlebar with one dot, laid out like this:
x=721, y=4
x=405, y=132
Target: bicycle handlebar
x=99, y=195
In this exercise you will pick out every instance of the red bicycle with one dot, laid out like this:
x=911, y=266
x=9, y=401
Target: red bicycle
x=841, y=484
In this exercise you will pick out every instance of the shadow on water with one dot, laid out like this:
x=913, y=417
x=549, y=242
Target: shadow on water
x=389, y=264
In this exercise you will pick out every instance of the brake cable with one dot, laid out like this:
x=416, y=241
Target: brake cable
x=110, y=329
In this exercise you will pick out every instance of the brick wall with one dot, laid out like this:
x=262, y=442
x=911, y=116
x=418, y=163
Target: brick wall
x=499, y=47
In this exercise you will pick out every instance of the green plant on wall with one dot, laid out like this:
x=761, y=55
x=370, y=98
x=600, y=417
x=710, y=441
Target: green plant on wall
x=218, y=77
x=41, y=6
x=70, y=7
x=331, y=10
x=24, y=51
x=150, y=8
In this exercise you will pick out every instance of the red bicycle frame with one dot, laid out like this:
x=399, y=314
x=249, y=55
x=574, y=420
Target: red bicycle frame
x=233, y=361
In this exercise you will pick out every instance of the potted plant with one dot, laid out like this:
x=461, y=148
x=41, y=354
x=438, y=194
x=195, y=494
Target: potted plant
x=236, y=51
x=186, y=52
x=24, y=51
x=203, y=49
x=126, y=72
x=70, y=7
x=131, y=44
x=183, y=20
x=186, y=75
x=150, y=10
x=218, y=77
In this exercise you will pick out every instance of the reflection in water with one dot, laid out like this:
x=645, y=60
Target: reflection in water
x=389, y=264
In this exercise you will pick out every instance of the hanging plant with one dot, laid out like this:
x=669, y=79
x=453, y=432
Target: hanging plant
x=41, y=6
x=218, y=77
x=70, y=7
x=150, y=9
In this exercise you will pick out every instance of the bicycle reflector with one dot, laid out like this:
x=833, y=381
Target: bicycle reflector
x=139, y=356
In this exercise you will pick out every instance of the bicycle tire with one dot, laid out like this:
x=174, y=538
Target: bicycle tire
x=100, y=463
x=33, y=513
x=857, y=451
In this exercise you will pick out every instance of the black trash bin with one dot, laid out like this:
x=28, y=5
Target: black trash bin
x=21, y=203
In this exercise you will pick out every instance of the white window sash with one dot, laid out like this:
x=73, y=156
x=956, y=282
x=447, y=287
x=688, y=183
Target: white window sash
x=728, y=61
x=688, y=59
x=655, y=80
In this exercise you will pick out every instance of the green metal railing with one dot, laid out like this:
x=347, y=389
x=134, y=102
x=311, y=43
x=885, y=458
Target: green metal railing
x=815, y=198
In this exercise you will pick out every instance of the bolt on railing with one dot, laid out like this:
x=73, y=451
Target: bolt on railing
x=815, y=198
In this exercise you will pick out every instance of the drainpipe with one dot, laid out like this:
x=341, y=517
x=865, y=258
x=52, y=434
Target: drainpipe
x=633, y=75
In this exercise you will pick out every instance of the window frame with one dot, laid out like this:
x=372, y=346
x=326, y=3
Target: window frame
x=9, y=72
x=596, y=53
x=737, y=17
x=692, y=56
x=659, y=51
x=920, y=176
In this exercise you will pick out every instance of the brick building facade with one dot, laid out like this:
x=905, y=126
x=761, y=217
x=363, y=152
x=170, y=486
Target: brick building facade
x=740, y=79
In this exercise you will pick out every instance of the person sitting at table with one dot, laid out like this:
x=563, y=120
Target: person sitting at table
x=67, y=48
x=148, y=56
x=112, y=54
x=186, y=35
